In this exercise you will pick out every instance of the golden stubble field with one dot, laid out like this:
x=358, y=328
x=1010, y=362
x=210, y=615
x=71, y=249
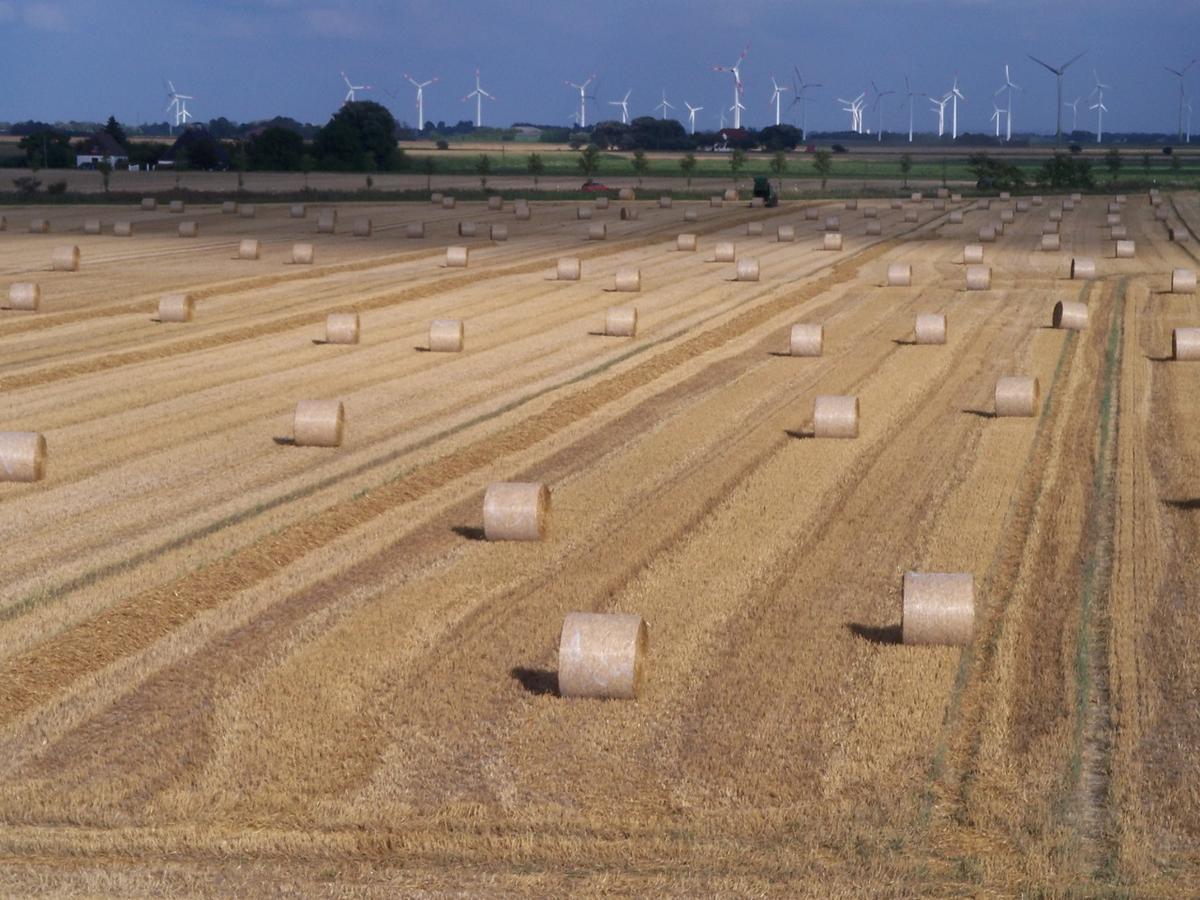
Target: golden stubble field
x=233, y=666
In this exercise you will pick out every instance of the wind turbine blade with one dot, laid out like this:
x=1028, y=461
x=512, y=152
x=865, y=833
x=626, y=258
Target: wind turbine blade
x=1063, y=68
x=1043, y=64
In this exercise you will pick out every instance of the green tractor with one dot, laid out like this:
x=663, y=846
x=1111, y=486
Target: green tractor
x=762, y=188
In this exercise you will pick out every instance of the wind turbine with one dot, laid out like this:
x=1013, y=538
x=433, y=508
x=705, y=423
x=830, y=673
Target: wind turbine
x=692, y=110
x=738, y=89
x=665, y=105
x=909, y=93
x=178, y=101
x=1098, y=106
x=1058, y=73
x=776, y=96
x=582, y=88
x=800, y=89
x=879, y=95
x=996, y=113
x=1074, y=104
x=479, y=93
x=350, y=95
x=955, y=95
x=624, y=104
x=1008, y=87
x=940, y=107
x=854, y=107
x=1180, y=73
x=420, y=86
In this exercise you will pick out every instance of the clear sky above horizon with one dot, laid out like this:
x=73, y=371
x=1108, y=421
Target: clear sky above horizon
x=252, y=59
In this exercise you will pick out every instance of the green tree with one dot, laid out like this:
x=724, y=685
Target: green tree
x=589, y=160
x=113, y=127
x=105, y=170
x=1176, y=164
x=429, y=167
x=905, y=166
x=359, y=135
x=483, y=168
x=275, y=149
x=823, y=165
x=535, y=166
x=779, y=164
x=47, y=148
x=688, y=165
x=737, y=159
x=182, y=162
x=307, y=163
x=1146, y=163
x=640, y=164
x=1112, y=162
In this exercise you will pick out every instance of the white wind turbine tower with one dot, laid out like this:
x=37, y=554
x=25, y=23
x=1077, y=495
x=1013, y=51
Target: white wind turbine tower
x=879, y=95
x=1187, y=127
x=479, y=93
x=852, y=107
x=776, y=96
x=738, y=90
x=178, y=102
x=997, y=112
x=350, y=93
x=800, y=89
x=420, y=86
x=1180, y=73
x=1008, y=87
x=1098, y=106
x=692, y=110
x=1074, y=104
x=939, y=106
x=909, y=93
x=665, y=105
x=624, y=104
x=955, y=95
x=582, y=88
x=1058, y=73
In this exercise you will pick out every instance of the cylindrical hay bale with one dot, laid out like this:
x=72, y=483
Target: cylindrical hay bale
x=1118, y=233
x=495, y=202
x=956, y=217
x=1037, y=200
x=22, y=456
x=987, y=234
x=414, y=230
x=754, y=229
x=664, y=202
x=627, y=281
x=1068, y=206
x=811, y=213
x=584, y=212
x=123, y=229
x=229, y=207
x=1005, y=195
x=731, y=195
x=629, y=213
x=523, y=213
x=757, y=202
x=176, y=308
x=870, y=212
x=39, y=226
x=1069, y=315
x=247, y=211
x=939, y=205
x=715, y=201
x=298, y=211
x=983, y=203
x=248, y=249
x=342, y=328
x=916, y=197
x=91, y=226
x=785, y=234
x=691, y=214
x=597, y=231
x=601, y=203
x=1050, y=227
x=362, y=227
x=25, y=296
x=686, y=242
x=938, y=608
x=1076, y=197
x=1007, y=216
x=326, y=221
x=1112, y=219
x=436, y=197
x=942, y=193
x=466, y=229
x=1083, y=267
x=457, y=257
x=1055, y=215
x=747, y=269
x=149, y=203
x=1022, y=206
x=499, y=232
x=979, y=278
x=1121, y=198
x=318, y=423
x=806, y=340
x=302, y=254
x=832, y=241
x=1114, y=207
x=1051, y=243
x=874, y=228
x=446, y=335
x=621, y=321
x=899, y=275
x=1179, y=234
x=833, y=223
x=1017, y=395
x=1183, y=281
x=569, y=267
x=1126, y=249
x=188, y=229
x=1185, y=343
x=449, y=202
x=625, y=194
x=851, y=204
x=956, y=198
x=602, y=656
x=65, y=259
x=973, y=254
x=1160, y=213
x=835, y=417
x=725, y=251
x=930, y=328
x=911, y=215
x=176, y=206
x=897, y=204
x=516, y=511
x=999, y=226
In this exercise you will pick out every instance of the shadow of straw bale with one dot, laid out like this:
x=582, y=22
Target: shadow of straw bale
x=285, y=441
x=540, y=682
x=904, y=342
x=1167, y=358
x=1187, y=504
x=876, y=634
x=470, y=532
x=981, y=413
x=800, y=435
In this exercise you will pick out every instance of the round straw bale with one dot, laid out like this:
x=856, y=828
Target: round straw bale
x=1185, y=343
x=569, y=267
x=25, y=296
x=362, y=227
x=1050, y=227
x=1017, y=395
x=806, y=340
x=1076, y=197
x=811, y=213
x=956, y=217
x=912, y=215
x=897, y=204
x=621, y=321
x=1007, y=216
x=523, y=212
x=436, y=197
x=757, y=202
x=449, y=202
x=691, y=214
x=91, y=226
x=899, y=275
x=247, y=211
x=754, y=229
x=601, y=202
x=65, y=259
x=22, y=456
x=725, y=251
x=302, y=254
x=851, y=204
x=627, y=281
x=1068, y=205
x=930, y=328
x=597, y=231
x=342, y=328
x=916, y=197
x=987, y=233
x=1005, y=195
x=983, y=203
x=715, y=201
x=122, y=229
x=785, y=233
x=39, y=226
x=629, y=213
x=149, y=203
x=176, y=206
x=685, y=242
x=1037, y=200
x=327, y=221
x=1055, y=215
x=973, y=254
x=446, y=335
x=979, y=278
x=956, y=198
x=516, y=511
x=1083, y=267
x=188, y=229
x=229, y=207
x=457, y=257
x=832, y=241
x=999, y=226
x=1160, y=214
x=938, y=608
x=1121, y=198
x=626, y=193
x=1069, y=315
x=835, y=417
x=939, y=205
x=298, y=211
x=747, y=269
x=874, y=228
x=176, y=308
x=248, y=249
x=1125, y=249
x=870, y=212
x=942, y=193
x=3, y=223
x=1179, y=234
x=466, y=229
x=584, y=212
x=495, y=202
x=833, y=223
x=665, y=202
x=1183, y=281
x=1022, y=206
x=1112, y=219
x=602, y=656
x=414, y=230
x=499, y=232
x=318, y=423
x=1114, y=207
x=1051, y=242
x=731, y=195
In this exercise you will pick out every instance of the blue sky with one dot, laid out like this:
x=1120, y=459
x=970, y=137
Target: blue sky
x=250, y=59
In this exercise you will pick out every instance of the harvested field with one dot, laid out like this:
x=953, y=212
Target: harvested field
x=270, y=663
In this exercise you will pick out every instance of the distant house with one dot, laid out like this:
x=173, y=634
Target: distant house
x=199, y=148
x=101, y=147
